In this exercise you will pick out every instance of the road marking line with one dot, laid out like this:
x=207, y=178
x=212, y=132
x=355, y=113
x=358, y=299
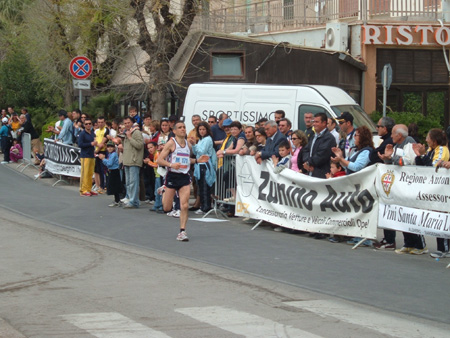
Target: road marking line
x=386, y=324
x=243, y=323
x=112, y=325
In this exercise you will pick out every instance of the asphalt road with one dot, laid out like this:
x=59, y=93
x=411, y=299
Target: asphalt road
x=415, y=285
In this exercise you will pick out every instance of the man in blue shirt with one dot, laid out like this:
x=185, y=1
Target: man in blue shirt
x=65, y=134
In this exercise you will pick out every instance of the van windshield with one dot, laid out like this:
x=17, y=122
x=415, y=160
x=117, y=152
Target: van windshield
x=360, y=118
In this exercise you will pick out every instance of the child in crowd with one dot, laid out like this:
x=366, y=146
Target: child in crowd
x=112, y=163
x=151, y=161
x=284, y=150
x=16, y=152
x=336, y=170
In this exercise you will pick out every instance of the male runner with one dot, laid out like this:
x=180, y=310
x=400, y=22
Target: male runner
x=176, y=158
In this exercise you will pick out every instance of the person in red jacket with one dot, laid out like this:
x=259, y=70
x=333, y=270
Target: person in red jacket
x=336, y=170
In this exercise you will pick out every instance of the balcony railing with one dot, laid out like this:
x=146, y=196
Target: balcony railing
x=282, y=15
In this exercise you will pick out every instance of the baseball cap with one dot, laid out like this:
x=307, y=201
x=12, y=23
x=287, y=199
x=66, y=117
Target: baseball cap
x=227, y=122
x=5, y=120
x=345, y=117
x=110, y=144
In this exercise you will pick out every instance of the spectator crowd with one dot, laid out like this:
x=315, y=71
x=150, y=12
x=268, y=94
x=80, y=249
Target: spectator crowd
x=138, y=159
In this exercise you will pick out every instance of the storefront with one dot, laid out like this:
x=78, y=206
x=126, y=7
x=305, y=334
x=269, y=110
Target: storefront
x=420, y=81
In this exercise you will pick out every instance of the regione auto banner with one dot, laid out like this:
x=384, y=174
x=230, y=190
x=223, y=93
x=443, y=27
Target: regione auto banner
x=344, y=206
x=62, y=159
x=414, y=199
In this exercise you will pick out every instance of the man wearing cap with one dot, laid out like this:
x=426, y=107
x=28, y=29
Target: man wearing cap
x=65, y=134
x=218, y=131
x=346, y=124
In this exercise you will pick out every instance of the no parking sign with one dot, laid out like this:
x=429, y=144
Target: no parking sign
x=80, y=67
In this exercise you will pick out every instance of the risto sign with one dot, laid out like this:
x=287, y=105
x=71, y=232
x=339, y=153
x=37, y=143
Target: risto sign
x=406, y=35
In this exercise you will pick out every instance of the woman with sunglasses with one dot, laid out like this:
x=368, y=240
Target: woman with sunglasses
x=299, y=140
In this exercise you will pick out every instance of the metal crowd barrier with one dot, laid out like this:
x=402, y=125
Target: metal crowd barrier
x=225, y=186
x=26, y=147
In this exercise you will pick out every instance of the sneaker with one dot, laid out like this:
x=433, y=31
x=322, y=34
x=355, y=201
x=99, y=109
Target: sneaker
x=176, y=214
x=440, y=254
x=334, y=239
x=125, y=200
x=278, y=229
x=199, y=212
x=170, y=213
x=113, y=204
x=384, y=245
x=93, y=193
x=86, y=194
x=5, y=162
x=160, y=211
x=418, y=251
x=36, y=176
x=129, y=206
x=182, y=236
x=403, y=250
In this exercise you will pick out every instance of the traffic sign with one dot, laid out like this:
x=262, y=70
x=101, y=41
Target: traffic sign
x=82, y=84
x=80, y=67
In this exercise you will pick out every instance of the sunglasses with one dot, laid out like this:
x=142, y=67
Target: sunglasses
x=378, y=126
x=294, y=138
x=165, y=119
x=88, y=123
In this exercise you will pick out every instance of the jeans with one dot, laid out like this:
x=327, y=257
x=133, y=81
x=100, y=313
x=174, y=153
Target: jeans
x=158, y=198
x=132, y=182
x=204, y=190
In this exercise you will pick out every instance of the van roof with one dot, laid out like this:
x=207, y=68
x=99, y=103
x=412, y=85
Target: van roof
x=333, y=95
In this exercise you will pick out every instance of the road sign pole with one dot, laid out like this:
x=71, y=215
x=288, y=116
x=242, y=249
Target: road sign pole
x=81, y=100
x=385, y=69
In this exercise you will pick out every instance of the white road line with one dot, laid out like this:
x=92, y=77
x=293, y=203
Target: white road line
x=385, y=324
x=112, y=325
x=243, y=323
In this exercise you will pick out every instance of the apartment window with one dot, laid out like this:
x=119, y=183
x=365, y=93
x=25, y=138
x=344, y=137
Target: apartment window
x=227, y=65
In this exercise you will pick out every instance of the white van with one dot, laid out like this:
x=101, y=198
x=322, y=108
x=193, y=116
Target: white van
x=248, y=103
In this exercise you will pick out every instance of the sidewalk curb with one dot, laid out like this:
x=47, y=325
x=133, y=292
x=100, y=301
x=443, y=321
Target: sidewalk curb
x=7, y=331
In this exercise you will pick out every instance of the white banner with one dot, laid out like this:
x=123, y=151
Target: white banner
x=413, y=186
x=62, y=159
x=344, y=206
x=416, y=221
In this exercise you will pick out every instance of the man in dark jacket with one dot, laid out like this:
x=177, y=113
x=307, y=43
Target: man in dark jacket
x=317, y=155
x=274, y=138
x=384, y=129
x=87, y=144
